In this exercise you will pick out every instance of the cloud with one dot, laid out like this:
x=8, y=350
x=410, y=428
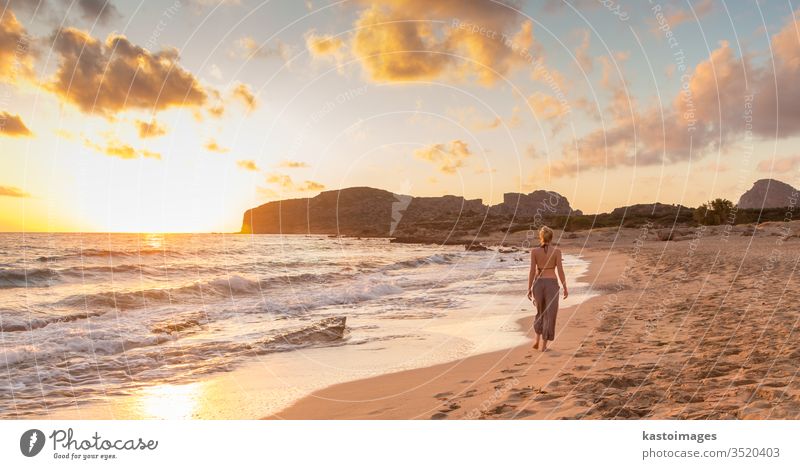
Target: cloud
x=212, y=145
x=248, y=165
x=217, y=109
x=102, y=11
x=293, y=164
x=547, y=107
x=677, y=16
x=117, y=149
x=779, y=165
x=457, y=40
x=324, y=45
x=10, y=191
x=723, y=98
x=310, y=186
x=215, y=72
x=15, y=55
x=12, y=126
x=282, y=180
x=108, y=77
x=244, y=93
x=447, y=158
x=248, y=48
x=469, y=117
x=150, y=129
x=285, y=182
x=582, y=54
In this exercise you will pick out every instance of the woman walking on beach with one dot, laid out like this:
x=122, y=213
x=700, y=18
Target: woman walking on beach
x=543, y=286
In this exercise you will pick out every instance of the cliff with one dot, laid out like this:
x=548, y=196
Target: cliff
x=768, y=193
x=650, y=210
x=365, y=211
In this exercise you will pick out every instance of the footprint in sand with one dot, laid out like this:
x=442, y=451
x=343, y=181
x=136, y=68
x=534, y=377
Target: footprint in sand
x=502, y=408
x=438, y=416
x=453, y=406
x=500, y=379
x=443, y=395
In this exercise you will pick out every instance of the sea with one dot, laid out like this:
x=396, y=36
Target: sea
x=88, y=318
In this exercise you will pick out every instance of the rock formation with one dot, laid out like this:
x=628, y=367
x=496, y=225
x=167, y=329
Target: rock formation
x=364, y=211
x=768, y=193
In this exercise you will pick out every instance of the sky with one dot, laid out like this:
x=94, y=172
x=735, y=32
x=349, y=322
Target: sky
x=178, y=115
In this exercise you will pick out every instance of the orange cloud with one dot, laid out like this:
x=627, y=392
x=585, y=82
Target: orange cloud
x=293, y=164
x=448, y=159
x=150, y=129
x=121, y=150
x=108, y=77
x=723, y=98
x=285, y=182
x=546, y=106
x=243, y=93
x=678, y=16
x=10, y=191
x=212, y=145
x=249, y=165
x=282, y=180
x=324, y=45
x=310, y=186
x=481, y=39
x=15, y=56
x=13, y=126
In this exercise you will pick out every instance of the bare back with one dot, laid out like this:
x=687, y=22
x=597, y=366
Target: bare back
x=546, y=261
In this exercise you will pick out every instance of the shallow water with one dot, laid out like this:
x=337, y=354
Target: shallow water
x=86, y=317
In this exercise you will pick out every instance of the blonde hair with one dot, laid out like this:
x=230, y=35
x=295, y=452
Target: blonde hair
x=545, y=235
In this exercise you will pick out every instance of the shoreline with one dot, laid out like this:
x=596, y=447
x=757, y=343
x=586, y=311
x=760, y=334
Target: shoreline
x=469, y=387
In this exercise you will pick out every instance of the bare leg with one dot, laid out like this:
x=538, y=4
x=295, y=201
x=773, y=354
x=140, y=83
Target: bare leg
x=544, y=345
x=536, y=344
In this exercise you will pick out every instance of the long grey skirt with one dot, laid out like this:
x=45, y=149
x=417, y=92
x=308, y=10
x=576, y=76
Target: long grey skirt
x=545, y=292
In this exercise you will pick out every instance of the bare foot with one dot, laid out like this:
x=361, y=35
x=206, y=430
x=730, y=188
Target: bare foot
x=536, y=345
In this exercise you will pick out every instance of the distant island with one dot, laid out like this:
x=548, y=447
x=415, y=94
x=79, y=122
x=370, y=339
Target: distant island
x=449, y=219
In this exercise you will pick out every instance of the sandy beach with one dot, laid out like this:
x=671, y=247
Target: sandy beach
x=702, y=326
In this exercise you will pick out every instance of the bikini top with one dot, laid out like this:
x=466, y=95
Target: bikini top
x=546, y=268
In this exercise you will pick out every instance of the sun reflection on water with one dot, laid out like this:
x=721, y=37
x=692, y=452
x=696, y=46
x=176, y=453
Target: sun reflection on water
x=171, y=402
x=153, y=240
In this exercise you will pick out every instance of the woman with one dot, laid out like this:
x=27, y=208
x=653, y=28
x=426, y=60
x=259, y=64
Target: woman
x=543, y=286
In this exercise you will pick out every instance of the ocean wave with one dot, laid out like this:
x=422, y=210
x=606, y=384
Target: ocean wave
x=176, y=324
x=368, y=290
x=109, y=253
x=29, y=324
x=17, y=277
x=126, y=300
x=27, y=356
x=435, y=259
x=325, y=331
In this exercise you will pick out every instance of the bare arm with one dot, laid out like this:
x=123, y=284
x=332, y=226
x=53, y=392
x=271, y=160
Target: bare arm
x=561, y=276
x=531, y=274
